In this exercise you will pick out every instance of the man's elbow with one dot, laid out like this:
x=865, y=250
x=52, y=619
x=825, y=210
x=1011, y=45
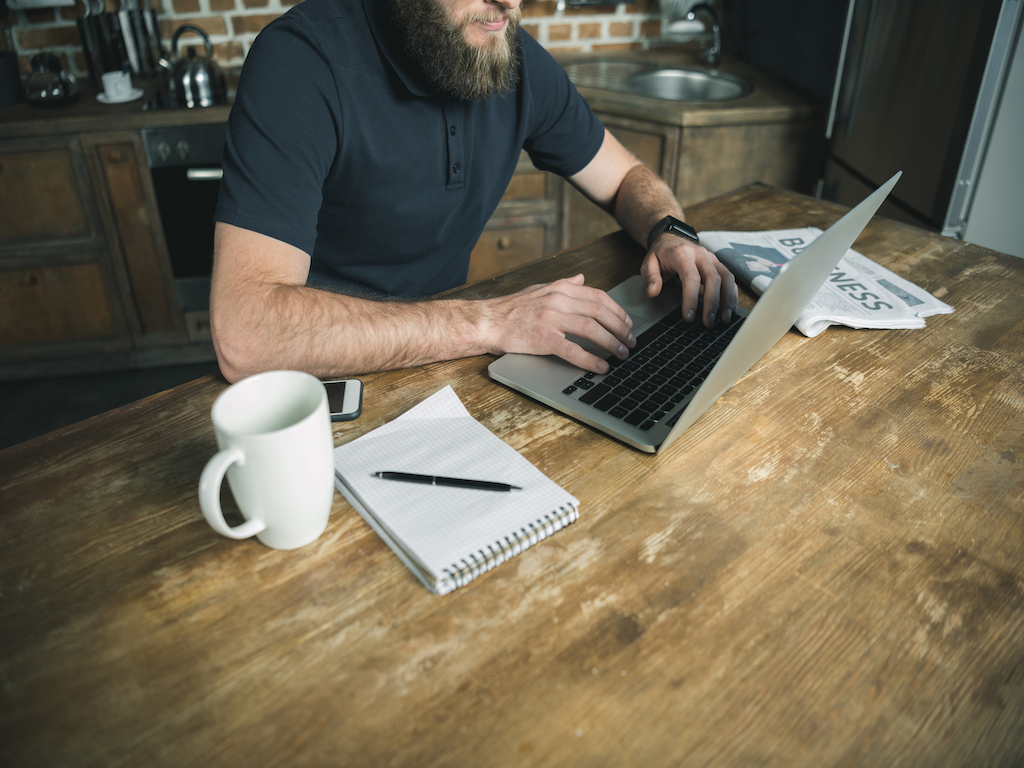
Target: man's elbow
x=234, y=346
x=233, y=366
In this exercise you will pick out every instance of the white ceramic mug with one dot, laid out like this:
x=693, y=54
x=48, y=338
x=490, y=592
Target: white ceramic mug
x=276, y=447
x=117, y=85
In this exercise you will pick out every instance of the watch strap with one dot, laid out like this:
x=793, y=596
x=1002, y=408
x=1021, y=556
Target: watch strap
x=675, y=226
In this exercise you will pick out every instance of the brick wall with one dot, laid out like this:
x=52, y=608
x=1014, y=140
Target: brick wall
x=233, y=24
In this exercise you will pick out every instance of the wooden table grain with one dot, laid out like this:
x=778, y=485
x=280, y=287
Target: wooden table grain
x=828, y=569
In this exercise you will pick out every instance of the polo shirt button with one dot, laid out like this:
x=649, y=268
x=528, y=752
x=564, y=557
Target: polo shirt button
x=455, y=168
x=453, y=130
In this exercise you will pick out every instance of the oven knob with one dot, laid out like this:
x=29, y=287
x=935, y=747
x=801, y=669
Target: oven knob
x=182, y=147
x=164, y=150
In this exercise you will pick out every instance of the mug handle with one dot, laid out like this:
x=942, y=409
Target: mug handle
x=209, y=496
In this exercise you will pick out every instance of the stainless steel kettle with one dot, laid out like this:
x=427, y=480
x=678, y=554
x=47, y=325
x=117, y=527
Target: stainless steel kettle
x=194, y=81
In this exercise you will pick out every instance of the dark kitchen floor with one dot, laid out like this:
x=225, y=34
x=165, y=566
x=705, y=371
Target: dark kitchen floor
x=32, y=408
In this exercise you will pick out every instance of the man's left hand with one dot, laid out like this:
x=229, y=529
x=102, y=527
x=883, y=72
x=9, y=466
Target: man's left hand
x=622, y=185
x=695, y=266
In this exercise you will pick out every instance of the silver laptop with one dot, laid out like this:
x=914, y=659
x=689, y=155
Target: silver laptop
x=678, y=370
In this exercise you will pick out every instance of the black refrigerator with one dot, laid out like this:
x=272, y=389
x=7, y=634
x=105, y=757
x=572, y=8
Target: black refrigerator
x=917, y=89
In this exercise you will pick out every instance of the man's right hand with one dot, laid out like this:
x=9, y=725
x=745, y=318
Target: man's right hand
x=537, y=320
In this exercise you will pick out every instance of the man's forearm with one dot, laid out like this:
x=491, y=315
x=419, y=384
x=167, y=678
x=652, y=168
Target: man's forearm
x=264, y=317
x=328, y=334
x=642, y=201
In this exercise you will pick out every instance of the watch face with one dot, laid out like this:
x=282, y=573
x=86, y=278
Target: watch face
x=685, y=230
x=676, y=227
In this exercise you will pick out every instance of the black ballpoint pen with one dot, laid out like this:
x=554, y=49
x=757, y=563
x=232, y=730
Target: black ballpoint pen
x=449, y=482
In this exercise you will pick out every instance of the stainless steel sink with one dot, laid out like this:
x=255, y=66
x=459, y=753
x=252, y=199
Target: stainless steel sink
x=689, y=85
x=660, y=82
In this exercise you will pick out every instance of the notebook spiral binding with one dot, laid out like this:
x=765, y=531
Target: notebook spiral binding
x=481, y=561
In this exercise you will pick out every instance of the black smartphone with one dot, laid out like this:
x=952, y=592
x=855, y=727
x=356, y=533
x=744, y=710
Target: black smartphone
x=344, y=399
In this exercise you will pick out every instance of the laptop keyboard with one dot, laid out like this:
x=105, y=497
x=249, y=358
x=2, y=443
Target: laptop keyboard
x=670, y=360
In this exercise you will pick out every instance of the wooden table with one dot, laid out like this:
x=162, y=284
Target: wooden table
x=828, y=569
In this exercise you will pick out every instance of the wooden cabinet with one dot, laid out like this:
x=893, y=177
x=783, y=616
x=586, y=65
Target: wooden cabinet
x=59, y=295
x=526, y=226
x=85, y=282
x=715, y=159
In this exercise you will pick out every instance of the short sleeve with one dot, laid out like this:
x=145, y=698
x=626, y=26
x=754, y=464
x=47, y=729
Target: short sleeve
x=282, y=137
x=565, y=134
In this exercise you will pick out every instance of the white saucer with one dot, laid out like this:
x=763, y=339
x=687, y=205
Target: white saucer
x=102, y=98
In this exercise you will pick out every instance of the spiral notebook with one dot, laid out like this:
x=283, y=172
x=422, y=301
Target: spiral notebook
x=449, y=536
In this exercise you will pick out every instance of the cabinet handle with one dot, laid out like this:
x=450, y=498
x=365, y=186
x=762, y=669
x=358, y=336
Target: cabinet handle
x=504, y=242
x=115, y=156
x=29, y=279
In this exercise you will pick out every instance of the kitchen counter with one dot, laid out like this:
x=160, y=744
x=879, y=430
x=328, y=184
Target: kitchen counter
x=769, y=102
x=87, y=115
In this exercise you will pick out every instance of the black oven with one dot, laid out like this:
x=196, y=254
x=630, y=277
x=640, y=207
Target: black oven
x=185, y=163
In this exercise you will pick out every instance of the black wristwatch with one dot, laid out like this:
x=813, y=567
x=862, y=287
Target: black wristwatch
x=676, y=227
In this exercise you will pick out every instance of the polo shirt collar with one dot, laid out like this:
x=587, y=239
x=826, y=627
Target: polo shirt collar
x=389, y=39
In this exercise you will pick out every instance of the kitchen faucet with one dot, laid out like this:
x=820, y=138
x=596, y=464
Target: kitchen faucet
x=713, y=53
x=681, y=25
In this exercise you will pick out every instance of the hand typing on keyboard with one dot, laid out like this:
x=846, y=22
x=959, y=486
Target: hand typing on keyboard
x=538, y=319
x=695, y=266
x=671, y=359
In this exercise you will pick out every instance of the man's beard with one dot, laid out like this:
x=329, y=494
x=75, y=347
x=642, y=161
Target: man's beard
x=455, y=66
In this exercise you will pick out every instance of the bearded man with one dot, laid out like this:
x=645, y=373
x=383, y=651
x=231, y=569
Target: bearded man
x=369, y=143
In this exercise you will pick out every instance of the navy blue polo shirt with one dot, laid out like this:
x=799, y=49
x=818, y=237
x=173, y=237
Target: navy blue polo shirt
x=338, y=145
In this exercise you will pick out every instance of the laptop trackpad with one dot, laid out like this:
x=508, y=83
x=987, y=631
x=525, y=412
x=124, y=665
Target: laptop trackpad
x=632, y=296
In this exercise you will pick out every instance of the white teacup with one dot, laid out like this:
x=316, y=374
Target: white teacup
x=117, y=86
x=276, y=447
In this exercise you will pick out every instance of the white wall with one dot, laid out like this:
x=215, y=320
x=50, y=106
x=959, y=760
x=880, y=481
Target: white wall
x=996, y=217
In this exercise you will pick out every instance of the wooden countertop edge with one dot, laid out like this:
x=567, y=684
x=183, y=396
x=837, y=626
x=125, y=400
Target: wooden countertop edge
x=87, y=115
x=737, y=112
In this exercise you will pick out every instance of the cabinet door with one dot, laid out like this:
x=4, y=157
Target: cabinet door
x=58, y=311
x=655, y=144
x=720, y=158
x=135, y=237
x=45, y=198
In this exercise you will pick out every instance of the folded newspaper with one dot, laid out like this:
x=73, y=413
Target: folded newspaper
x=859, y=293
